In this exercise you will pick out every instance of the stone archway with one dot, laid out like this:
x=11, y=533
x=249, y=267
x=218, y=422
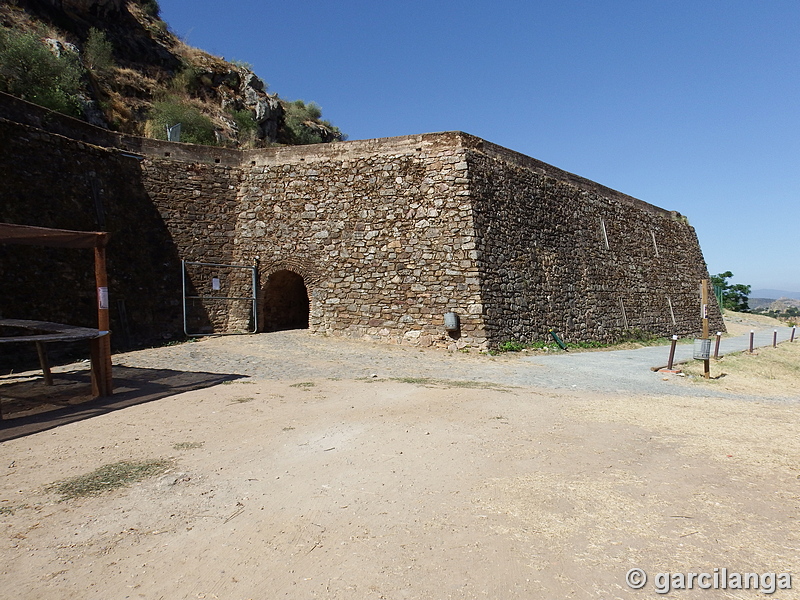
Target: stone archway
x=285, y=302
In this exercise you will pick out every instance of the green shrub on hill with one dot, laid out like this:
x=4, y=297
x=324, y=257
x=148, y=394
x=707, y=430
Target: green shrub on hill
x=31, y=71
x=245, y=124
x=152, y=8
x=297, y=121
x=196, y=128
x=303, y=124
x=98, y=52
x=187, y=80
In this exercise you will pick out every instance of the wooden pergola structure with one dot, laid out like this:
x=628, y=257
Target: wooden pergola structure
x=102, y=383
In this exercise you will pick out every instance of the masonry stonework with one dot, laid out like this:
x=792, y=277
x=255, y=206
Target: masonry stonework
x=377, y=238
x=381, y=232
x=560, y=252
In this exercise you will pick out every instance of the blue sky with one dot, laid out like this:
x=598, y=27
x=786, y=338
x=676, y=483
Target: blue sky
x=690, y=105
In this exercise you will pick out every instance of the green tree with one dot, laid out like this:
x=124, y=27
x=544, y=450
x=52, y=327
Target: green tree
x=29, y=70
x=732, y=296
x=98, y=52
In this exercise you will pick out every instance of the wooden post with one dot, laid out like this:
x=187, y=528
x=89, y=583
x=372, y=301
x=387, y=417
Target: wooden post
x=672, y=352
x=704, y=303
x=102, y=383
x=44, y=363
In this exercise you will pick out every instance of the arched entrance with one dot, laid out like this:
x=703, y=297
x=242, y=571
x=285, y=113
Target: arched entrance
x=285, y=304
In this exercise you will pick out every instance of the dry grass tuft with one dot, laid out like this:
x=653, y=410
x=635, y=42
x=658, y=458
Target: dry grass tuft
x=108, y=477
x=453, y=383
x=242, y=400
x=303, y=384
x=199, y=58
x=187, y=445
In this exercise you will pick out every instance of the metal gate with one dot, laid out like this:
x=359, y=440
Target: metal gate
x=218, y=299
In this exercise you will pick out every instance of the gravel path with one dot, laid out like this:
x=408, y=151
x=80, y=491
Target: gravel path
x=299, y=355
x=630, y=370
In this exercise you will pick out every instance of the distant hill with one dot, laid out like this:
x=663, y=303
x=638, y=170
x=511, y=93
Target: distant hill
x=785, y=309
x=116, y=64
x=774, y=294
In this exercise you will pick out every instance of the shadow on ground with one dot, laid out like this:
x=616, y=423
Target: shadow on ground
x=29, y=406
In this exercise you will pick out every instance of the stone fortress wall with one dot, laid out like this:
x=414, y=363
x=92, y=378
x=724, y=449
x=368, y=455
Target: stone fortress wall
x=379, y=238
x=560, y=252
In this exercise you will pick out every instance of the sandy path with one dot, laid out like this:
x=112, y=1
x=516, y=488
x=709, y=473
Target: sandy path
x=296, y=355
x=383, y=489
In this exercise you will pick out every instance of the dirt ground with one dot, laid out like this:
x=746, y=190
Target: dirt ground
x=741, y=323
x=373, y=488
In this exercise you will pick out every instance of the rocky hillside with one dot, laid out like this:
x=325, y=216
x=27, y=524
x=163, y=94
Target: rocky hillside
x=782, y=308
x=116, y=64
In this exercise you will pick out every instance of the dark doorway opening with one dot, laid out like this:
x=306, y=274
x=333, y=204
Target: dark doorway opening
x=285, y=303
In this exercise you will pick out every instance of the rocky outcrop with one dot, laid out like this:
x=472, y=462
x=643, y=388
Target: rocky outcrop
x=267, y=109
x=98, y=8
x=240, y=89
x=149, y=65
